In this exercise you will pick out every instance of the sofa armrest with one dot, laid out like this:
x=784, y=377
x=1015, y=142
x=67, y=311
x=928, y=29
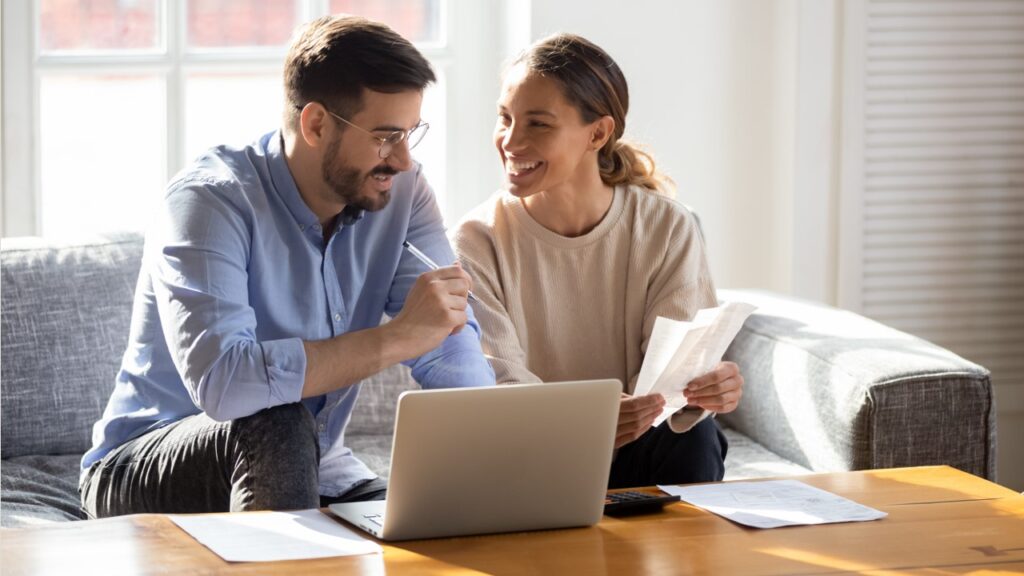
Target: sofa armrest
x=832, y=390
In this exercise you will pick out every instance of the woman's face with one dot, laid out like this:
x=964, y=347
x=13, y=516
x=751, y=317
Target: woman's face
x=542, y=141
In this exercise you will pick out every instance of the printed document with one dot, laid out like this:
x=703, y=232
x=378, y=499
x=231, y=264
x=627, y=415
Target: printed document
x=773, y=503
x=269, y=536
x=681, y=351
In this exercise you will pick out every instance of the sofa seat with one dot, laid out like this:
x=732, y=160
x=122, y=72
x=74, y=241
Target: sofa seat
x=39, y=489
x=44, y=489
x=746, y=458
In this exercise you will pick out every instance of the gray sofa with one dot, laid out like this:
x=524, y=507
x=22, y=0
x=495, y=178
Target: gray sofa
x=826, y=390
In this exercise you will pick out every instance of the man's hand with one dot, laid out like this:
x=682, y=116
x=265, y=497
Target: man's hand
x=434, y=309
x=636, y=414
x=718, y=391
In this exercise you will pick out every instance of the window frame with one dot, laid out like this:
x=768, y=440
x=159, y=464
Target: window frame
x=460, y=59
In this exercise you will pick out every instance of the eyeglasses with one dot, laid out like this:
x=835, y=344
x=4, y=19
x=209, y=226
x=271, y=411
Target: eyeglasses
x=387, y=143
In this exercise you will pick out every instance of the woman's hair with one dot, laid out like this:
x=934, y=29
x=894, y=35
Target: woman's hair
x=332, y=59
x=593, y=83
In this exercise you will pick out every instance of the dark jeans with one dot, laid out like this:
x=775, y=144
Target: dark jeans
x=661, y=456
x=267, y=461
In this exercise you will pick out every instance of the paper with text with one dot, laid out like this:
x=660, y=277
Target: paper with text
x=270, y=536
x=774, y=503
x=678, y=352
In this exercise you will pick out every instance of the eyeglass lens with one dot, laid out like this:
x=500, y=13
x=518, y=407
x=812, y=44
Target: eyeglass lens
x=412, y=138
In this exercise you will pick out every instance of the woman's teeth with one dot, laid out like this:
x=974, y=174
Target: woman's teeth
x=515, y=168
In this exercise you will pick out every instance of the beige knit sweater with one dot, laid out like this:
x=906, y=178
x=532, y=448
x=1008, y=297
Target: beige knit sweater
x=557, y=308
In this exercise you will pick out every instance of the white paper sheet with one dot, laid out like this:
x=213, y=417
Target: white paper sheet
x=678, y=352
x=269, y=536
x=774, y=503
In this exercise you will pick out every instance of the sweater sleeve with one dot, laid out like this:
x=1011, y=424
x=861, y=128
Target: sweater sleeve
x=679, y=287
x=476, y=250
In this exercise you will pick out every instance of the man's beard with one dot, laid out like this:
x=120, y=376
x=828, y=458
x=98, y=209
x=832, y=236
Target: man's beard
x=346, y=182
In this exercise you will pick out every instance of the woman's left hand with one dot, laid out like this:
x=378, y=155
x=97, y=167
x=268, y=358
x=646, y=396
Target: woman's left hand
x=718, y=391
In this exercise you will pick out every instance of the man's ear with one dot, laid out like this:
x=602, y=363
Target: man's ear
x=312, y=124
x=604, y=127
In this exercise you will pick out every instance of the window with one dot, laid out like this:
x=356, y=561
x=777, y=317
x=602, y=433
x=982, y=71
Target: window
x=104, y=100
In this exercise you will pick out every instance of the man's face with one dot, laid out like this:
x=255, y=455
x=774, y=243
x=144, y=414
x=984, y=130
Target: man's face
x=352, y=168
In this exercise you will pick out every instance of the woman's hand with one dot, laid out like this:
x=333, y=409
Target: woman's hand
x=636, y=414
x=718, y=391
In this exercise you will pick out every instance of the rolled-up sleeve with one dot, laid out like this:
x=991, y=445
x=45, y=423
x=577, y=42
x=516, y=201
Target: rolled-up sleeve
x=197, y=260
x=459, y=361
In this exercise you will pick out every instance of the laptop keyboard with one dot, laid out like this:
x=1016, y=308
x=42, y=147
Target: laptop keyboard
x=377, y=519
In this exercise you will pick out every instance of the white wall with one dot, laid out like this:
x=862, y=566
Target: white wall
x=713, y=95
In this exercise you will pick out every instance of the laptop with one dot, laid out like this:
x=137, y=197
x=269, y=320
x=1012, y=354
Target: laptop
x=497, y=459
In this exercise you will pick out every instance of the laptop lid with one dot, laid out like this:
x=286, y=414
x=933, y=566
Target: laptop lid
x=497, y=459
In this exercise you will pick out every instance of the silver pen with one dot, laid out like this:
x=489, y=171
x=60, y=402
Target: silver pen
x=426, y=260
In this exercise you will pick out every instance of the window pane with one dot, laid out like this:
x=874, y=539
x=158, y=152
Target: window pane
x=102, y=152
x=239, y=23
x=230, y=109
x=91, y=25
x=417, y=20
x=432, y=151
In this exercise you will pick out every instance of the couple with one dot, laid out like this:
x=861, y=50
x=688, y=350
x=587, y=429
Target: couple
x=267, y=269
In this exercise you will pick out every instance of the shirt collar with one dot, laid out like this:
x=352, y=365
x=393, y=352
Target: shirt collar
x=284, y=183
x=350, y=215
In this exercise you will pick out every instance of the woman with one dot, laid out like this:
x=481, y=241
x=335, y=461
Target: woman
x=574, y=262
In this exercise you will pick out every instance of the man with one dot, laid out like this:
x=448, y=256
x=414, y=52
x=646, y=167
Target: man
x=264, y=279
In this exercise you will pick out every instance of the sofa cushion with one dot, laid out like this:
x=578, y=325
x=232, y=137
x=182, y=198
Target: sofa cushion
x=373, y=449
x=745, y=459
x=748, y=459
x=374, y=412
x=64, y=318
x=38, y=490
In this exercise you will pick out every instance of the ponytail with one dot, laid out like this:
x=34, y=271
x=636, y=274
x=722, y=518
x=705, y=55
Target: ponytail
x=621, y=162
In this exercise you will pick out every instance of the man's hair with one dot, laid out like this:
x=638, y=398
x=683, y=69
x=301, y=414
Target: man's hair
x=332, y=59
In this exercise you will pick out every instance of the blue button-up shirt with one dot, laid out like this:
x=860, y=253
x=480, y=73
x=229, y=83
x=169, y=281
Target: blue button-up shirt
x=235, y=275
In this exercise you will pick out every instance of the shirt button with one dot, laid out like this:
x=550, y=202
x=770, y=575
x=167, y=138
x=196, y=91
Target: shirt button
x=337, y=317
x=322, y=427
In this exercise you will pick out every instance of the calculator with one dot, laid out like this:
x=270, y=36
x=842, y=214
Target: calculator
x=633, y=502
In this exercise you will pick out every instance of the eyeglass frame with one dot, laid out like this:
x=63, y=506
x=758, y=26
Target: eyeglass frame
x=403, y=135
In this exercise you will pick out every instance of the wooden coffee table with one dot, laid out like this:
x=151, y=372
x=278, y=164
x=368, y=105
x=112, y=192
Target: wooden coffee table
x=941, y=521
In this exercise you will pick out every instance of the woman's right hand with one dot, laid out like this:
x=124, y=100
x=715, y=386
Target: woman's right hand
x=636, y=414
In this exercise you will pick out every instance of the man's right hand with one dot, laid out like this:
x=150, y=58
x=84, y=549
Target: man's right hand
x=434, y=309
x=636, y=414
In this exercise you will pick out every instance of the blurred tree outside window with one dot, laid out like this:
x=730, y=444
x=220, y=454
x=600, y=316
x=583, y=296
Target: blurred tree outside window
x=240, y=23
x=99, y=25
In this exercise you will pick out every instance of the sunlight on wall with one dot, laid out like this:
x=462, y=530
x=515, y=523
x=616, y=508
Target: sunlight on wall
x=102, y=146
x=712, y=94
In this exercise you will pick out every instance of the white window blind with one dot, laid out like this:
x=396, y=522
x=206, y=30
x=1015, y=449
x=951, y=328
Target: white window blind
x=940, y=205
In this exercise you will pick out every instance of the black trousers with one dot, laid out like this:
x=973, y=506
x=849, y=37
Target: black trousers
x=267, y=461
x=662, y=456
